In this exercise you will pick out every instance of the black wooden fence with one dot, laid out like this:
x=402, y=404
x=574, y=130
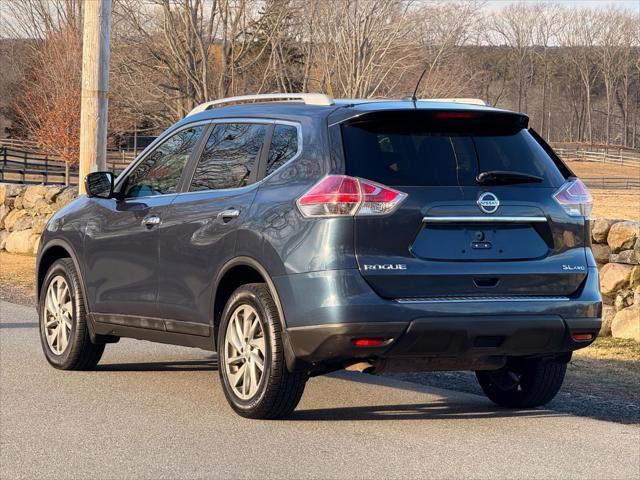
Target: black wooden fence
x=22, y=165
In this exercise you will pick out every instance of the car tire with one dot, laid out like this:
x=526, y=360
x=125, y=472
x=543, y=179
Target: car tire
x=267, y=393
x=523, y=383
x=64, y=331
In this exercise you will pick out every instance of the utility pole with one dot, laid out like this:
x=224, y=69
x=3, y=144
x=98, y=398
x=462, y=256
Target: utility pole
x=95, y=88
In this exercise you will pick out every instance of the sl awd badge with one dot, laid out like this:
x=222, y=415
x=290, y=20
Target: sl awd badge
x=488, y=202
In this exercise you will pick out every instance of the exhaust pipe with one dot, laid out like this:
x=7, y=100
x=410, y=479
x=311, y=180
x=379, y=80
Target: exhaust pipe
x=362, y=366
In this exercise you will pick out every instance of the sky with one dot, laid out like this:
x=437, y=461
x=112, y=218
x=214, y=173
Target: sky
x=628, y=4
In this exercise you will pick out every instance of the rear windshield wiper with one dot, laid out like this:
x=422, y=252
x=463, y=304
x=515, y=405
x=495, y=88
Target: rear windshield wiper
x=504, y=177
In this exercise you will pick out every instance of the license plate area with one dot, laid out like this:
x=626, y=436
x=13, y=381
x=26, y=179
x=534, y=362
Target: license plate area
x=478, y=242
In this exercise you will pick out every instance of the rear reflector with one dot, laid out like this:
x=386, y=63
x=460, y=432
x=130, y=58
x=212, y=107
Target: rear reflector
x=341, y=195
x=582, y=337
x=367, y=342
x=574, y=197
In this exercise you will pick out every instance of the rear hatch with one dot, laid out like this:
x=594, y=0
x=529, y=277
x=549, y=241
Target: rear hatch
x=460, y=233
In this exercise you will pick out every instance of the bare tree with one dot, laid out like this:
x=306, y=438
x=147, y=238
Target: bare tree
x=514, y=26
x=580, y=36
x=441, y=31
x=549, y=22
x=363, y=46
x=38, y=18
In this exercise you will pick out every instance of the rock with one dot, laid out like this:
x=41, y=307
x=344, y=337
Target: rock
x=13, y=189
x=17, y=202
x=600, y=229
x=626, y=323
x=624, y=299
x=39, y=223
x=42, y=207
x=634, y=279
x=13, y=217
x=52, y=193
x=601, y=252
x=23, y=223
x=613, y=277
x=608, y=312
x=3, y=238
x=32, y=194
x=8, y=191
x=623, y=235
x=4, y=211
x=636, y=248
x=625, y=256
x=66, y=196
x=24, y=242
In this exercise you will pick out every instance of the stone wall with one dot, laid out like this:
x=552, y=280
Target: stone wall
x=616, y=247
x=24, y=211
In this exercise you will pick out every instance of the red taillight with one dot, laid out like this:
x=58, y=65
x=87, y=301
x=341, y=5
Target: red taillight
x=574, y=197
x=341, y=195
x=367, y=342
x=582, y=337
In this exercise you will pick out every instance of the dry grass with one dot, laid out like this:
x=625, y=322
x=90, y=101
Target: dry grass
x=17, y=278
x=617, y=204
x=17, y=270
x=597, y=169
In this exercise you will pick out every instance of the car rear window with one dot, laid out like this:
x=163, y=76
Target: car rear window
x=427, y=151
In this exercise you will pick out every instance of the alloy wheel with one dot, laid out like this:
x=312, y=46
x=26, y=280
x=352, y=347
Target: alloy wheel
x=58, y=315
x=244, y=352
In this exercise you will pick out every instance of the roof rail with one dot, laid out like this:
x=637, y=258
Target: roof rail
x=468, y=101
x=307, y=98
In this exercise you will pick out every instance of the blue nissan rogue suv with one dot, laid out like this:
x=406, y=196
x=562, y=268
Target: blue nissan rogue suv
x=296, y=235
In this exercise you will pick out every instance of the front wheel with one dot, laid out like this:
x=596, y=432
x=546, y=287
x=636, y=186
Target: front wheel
x=525, y=383
x=252, y=368
x=64, y=332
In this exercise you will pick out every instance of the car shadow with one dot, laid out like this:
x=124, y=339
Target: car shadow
x=441, y=409
x=176, y=366
x=451, y=405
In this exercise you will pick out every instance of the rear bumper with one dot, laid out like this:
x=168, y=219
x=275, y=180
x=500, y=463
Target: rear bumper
x=325, y=311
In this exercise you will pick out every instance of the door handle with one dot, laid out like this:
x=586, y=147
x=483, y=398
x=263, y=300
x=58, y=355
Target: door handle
x=228, y=215
x=151, y=221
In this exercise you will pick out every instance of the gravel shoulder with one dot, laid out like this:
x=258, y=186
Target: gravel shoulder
x=602, y=382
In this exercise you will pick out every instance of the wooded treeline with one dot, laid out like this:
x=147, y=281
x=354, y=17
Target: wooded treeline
x=575, y=71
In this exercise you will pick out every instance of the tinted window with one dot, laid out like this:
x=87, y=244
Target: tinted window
x=229, y=157
x=159, y=173
x=284, y=146
x=397, y=154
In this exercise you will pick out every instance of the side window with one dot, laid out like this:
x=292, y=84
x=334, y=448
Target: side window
x=159, y=173
x=284, y=145
x=229, y=157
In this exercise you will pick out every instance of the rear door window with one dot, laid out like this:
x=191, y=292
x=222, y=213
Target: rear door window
x=398, y=153
x=230, y=156
x=284, y=146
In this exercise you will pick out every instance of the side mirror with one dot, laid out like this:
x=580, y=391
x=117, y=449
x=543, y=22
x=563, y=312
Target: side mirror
x=100, y=184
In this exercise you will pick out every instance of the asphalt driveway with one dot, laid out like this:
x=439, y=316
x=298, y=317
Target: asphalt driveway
x=156, y=411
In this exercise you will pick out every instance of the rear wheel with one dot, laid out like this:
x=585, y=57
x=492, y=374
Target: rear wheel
x=252, y=368
x=523, y=383
x=64, y=332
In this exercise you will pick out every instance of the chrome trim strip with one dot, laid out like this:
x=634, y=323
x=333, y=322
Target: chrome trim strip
x=483, y=219
x=479, y=299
